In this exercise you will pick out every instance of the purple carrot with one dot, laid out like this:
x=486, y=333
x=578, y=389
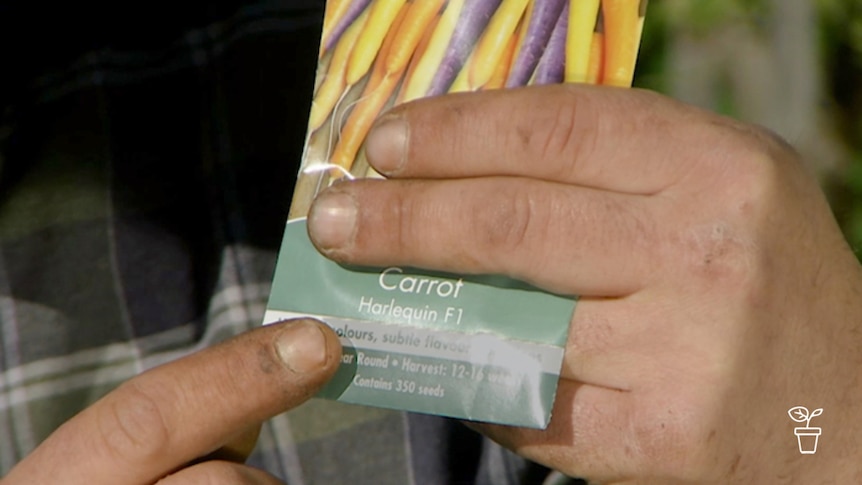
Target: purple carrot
x=552, y=65
x=545, y=16
x=474, y=17
x=352, y=13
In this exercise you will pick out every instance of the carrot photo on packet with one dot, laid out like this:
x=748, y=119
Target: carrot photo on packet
x=375, y=54
x=438, y=343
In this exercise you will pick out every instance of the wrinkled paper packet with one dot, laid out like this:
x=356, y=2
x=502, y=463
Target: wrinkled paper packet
x=484, y=348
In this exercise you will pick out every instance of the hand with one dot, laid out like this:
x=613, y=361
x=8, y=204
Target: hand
x=716, y=289
x=186, y=421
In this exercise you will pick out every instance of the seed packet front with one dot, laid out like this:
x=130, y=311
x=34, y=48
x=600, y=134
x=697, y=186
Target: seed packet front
x=483, y=348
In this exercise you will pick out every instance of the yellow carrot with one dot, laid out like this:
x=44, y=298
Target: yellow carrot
x=596, y=59
x=334, y=11
x=641, y=21
x=622, y=39
x=462, y=80
x=582, y=23
x=495, y=40
x=359, y=122
x=390, y=43
x=501, y=72
x=420, y=13
x=334, y=83
x=418, y=83
x=380, y=17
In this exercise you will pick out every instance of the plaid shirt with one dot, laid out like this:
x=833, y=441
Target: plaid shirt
x=145, y=177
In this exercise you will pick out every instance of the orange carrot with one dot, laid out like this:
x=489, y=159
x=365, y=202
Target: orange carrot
x=390, y=43
x=594, y=67
x=359, y=122
x=622, y=39
x=417, y=57
x=378, y=90
x=419, y=15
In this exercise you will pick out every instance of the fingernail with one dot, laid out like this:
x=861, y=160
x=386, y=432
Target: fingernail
x=332, y=220
x=386, y=145
x=302, y=347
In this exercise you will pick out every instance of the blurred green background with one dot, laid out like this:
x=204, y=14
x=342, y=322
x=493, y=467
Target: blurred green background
x=794, y=66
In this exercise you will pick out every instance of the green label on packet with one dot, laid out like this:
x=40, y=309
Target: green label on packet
x=477, y=348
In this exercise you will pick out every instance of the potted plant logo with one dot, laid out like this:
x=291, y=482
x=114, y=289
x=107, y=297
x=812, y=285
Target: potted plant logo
x=806, y=436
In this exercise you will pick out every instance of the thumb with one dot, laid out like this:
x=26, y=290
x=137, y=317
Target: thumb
x=167, y=417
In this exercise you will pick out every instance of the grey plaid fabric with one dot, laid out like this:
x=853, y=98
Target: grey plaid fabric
x=145, y=178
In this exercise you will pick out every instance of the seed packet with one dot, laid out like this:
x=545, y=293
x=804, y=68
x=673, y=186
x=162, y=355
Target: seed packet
x=483, y=348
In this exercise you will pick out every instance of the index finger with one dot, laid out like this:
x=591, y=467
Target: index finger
x=167, y=417
x=608, y=138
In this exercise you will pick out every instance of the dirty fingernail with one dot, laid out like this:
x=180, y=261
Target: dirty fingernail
x=386, y=146
x=302, y=347
x=332, y=220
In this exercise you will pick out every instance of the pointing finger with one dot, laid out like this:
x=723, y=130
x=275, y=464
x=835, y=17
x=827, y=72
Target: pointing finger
x=594, y=136
x=171, y=415
x=564, y=239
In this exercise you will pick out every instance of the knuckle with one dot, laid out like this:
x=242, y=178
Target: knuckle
x=133, y=428
x=386, y=221
x=758, y=138
x=504, y=225
x=406, y=216
x=669, y=442
x=727, y=244
x=558, y=132
x=561, y=130
x=717, y=253
x=756, y=162
x=595, y=334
